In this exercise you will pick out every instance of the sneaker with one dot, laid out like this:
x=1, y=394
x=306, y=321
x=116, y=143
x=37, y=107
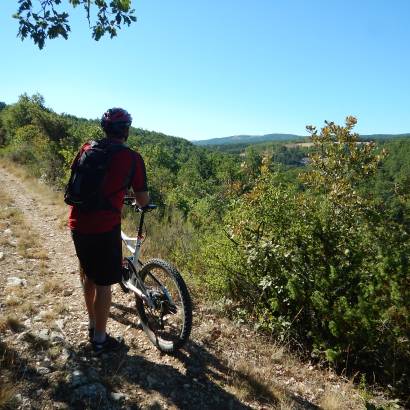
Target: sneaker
x=110, y=344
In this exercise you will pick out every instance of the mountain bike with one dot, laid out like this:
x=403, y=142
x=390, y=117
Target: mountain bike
x=163, y=302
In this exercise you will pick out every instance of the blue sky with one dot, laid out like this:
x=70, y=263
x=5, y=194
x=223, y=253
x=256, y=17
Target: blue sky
x=205, y=69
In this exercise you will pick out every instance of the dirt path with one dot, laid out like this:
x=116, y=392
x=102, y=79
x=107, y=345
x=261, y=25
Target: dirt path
x=46, y=362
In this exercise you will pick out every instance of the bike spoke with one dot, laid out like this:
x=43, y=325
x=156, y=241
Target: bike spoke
x=168, y=316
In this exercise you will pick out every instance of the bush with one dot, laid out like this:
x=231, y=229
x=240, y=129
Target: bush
x=321, y=264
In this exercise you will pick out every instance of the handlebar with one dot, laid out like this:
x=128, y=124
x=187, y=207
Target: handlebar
x=146, y=208
x=129, y=200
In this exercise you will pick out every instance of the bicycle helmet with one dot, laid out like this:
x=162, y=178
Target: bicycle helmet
x=115, y=119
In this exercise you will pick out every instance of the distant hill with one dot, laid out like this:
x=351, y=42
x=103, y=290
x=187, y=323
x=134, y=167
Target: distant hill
x=253, y=139
x=383, y=136
x=248, y=139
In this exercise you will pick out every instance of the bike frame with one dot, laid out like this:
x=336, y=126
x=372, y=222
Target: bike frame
x=133, y=244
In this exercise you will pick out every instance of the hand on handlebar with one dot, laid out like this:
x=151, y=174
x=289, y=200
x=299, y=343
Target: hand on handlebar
x=131, y=201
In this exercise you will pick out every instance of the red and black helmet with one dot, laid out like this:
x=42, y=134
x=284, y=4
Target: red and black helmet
x=115, y=119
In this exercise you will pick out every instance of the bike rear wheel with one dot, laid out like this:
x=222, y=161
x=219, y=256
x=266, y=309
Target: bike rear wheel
x=168, y=324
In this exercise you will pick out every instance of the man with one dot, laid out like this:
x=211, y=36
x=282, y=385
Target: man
x=97, y=233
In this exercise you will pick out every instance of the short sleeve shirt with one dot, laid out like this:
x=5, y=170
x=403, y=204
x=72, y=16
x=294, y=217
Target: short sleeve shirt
x=113, y=188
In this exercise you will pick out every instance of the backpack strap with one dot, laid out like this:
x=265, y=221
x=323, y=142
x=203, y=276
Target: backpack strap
x=130, y=177
x=74, y=166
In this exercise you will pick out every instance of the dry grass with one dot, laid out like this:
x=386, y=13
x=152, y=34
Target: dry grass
x=11, y=166
x=250, y=383
x=8, y=357
x=43, y=267
x=49, y=197
x=7, y=393
x=3, y=223
x=3, y=241
x=268, y=373
x=12, y=300
x=53, y=286
x=3, y=324
x=279, y=354
x=36, y=343
x=41, y=254
x=28, y=308
x=48, y=317
x=15, y=295
x=334, y=400
x=253, y=362
x=61, y=309
x=14, y=324
x=10, y=322
x=55, y=352
x=28, y=243
x=7, y=390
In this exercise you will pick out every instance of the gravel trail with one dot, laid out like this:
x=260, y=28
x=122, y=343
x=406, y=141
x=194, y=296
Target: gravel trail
x=224, y=366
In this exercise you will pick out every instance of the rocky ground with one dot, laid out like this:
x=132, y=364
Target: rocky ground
x=46, y=362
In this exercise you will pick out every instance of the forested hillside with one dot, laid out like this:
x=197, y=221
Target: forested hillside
x=309, y=244
x=246, y=140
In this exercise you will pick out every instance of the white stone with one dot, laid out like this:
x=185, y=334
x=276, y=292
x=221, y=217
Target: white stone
x=43, y=334
x=56, y=337
x=60, y=323
x=67, y=292
x=65, y=354
x=21, y=335
x=15, y=281
x=118, y=396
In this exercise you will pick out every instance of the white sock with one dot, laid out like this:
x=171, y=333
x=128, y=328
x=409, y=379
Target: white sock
x=91, y=323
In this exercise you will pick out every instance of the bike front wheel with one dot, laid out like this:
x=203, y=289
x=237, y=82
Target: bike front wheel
x=168, y=323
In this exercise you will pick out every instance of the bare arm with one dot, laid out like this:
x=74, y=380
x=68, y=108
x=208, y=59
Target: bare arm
x=142, y=198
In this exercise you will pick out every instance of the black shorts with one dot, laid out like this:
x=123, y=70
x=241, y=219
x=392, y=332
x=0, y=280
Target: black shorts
x=100, y=255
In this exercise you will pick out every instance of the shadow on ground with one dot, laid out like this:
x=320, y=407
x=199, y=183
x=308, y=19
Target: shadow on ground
x=200, y=385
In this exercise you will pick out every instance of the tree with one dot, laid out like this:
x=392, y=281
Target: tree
x=320, y=264
x=253, y=162
x=48, y=19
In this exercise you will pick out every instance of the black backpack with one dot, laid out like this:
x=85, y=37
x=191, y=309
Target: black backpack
x=84, y=188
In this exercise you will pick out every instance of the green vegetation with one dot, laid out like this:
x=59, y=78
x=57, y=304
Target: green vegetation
x=245, y=140
x=314, y=251
x=249, y=139
x=48, y=19
x=321, y=264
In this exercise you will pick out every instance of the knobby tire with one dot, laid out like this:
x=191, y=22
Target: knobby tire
x=165, y=343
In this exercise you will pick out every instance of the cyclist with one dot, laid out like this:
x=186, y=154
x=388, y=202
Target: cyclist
x=97, y=234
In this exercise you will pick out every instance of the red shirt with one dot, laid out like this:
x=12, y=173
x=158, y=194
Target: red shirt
x=117, y=173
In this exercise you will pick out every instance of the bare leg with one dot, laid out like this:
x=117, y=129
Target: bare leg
x=89, y=296
x=102, y=306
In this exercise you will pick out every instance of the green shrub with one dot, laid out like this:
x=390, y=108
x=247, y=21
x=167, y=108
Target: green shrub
x=321, y=264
